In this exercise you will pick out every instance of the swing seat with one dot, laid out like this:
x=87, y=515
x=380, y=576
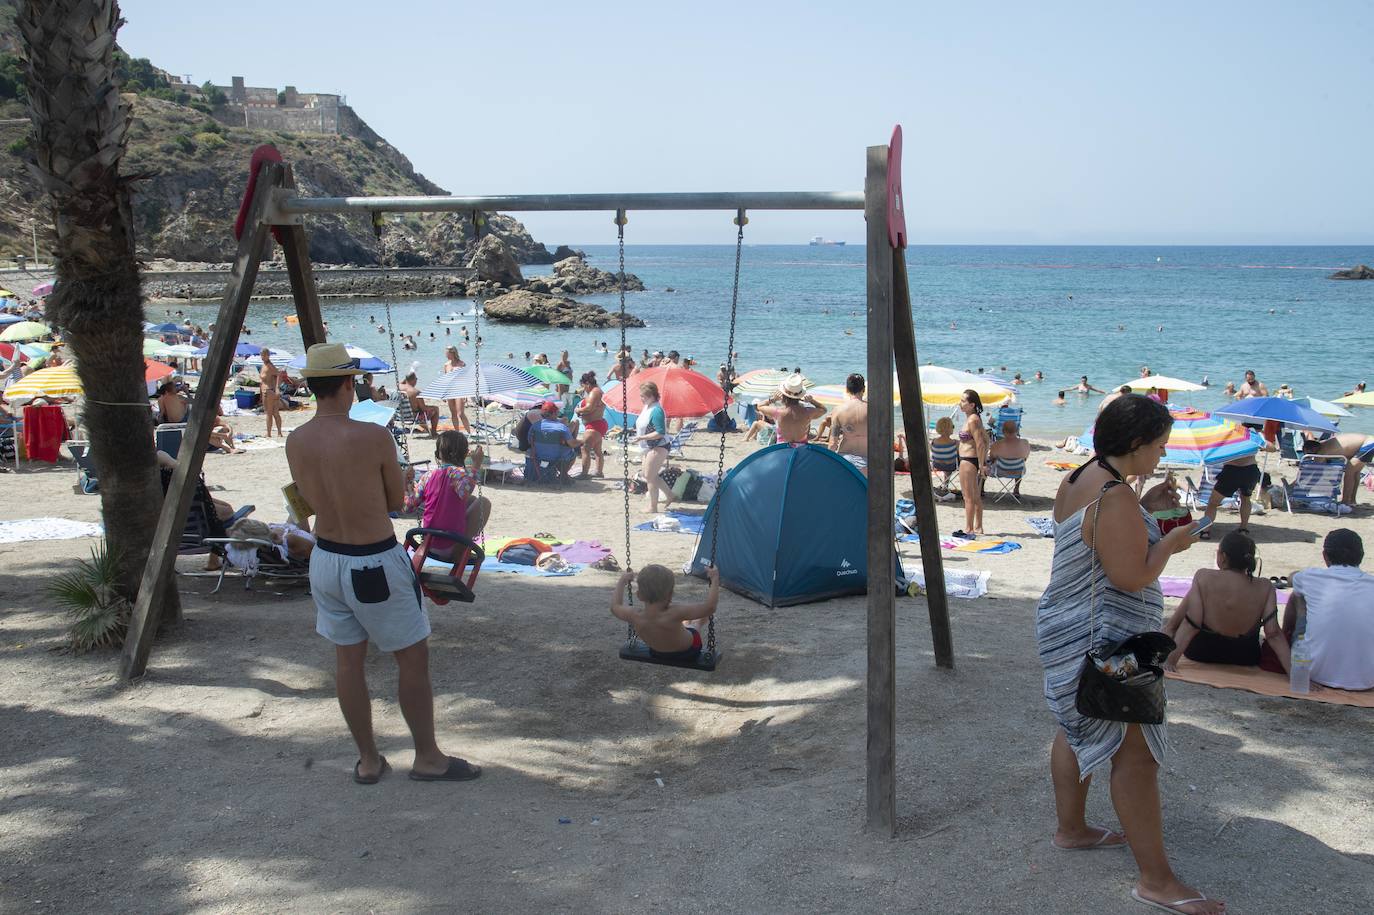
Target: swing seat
x=453, y=584
x=637, y=651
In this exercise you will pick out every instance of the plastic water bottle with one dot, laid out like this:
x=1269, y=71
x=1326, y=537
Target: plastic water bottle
x=1300, y=667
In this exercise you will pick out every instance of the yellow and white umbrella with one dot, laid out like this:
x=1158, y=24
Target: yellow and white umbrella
x=1163, y=382
x=58, y=381
x=1362, y=399
x=944, y=387
x=24, y=331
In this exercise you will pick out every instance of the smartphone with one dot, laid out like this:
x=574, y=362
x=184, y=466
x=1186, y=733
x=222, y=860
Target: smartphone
x=1201, y=525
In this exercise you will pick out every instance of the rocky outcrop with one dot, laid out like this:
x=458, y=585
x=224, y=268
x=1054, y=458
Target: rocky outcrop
x=1359, y=272
x=493, y=262
x=563, y=251
x=573, y=276
x=526, y=307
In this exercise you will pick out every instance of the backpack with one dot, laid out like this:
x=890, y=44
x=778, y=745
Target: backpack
x=521, y=436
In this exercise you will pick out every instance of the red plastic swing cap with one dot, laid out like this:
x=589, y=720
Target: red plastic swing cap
x=896, y=214
x=262, y=154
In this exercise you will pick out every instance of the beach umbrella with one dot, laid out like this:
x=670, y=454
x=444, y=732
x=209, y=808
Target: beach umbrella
x=43, y=289
x=179, y=351
x=760, y=384
x=13, y=351
x=167, y=328
x=25, y=330
x=828, y=395
x=1324, y=407
x=548, y=374
x=156, y=371
x=522, y=399
x=10, y=319
x=1163, y=382
x=1204, y=438
x=58, y=381
x=494, y=378
x=1278, y=409
x=1362, y=399
x=243, y=350
x=6, y=294
x=279, y=356
x=681, y=392
x=366, y=361
x=154, y=347
x=34, y=350
x=945, y=387
x=372, y=411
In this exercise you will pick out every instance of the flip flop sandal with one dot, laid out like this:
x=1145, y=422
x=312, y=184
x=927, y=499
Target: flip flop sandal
x=459, y=770
x=1100, y=845
x=1174, y=906
x=361, y=779
x=1205, y=535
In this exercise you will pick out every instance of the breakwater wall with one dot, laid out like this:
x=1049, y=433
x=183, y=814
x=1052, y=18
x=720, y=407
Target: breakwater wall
x=273, y=282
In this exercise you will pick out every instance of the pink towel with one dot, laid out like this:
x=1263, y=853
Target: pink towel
x=582, y=551
x=1173, y=586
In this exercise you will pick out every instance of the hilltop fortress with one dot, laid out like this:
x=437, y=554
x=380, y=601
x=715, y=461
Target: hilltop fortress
x=267, y=108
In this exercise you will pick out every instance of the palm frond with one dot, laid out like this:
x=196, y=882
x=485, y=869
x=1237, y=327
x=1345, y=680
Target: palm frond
x=90, y=594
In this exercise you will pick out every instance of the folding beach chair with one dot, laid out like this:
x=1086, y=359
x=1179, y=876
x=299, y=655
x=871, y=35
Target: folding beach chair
x=252, y=558
x=10, y=430
x=168, y=436
x=1196, y=495
x=675, y=442
x=493, y=427
x=1318, y=484
x=86, y=475
x=1288, y=447
x=548, y=459
x=1008, y=473
x=405, y=420
x=1006, y=413
x=944, y=465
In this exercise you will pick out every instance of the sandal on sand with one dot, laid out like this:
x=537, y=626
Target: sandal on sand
x=370, y=779
x=1100, y=844
x=459, y=770
x=1168, y=906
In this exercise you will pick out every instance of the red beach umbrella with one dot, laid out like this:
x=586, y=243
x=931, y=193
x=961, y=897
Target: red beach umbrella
x=156, y=371
x=681, y=392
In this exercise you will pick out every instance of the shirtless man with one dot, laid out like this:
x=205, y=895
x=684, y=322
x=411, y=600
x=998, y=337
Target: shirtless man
x=1124, y=389
x=849, y=432
x=796, y=413
x=1237, y=478
x=427, y=414
x=360, y=577
x=270, y=376
x=1358, y=451
x=1010, y=447
x=1252, y=387
x=171, y=405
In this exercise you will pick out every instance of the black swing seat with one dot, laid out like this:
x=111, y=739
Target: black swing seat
x=636, y=650
x=444, y=586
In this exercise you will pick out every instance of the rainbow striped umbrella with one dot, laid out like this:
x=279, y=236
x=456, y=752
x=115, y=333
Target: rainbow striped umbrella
x=760, y=384
x=1201, y=438
x=828, y=395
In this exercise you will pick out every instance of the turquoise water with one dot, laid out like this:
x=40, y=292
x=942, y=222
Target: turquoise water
x=1066, y=311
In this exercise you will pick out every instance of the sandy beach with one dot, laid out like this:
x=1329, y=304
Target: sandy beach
x=220, y=781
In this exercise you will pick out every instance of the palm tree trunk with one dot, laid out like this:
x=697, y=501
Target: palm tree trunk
x=80, y=126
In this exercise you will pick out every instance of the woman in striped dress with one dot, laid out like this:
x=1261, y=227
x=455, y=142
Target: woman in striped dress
x=1102, y=595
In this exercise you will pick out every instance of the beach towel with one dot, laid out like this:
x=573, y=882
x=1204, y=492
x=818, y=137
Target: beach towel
x=582, y=551
x=1062, y=465
x=958, y=583
x=47, y=529
x=494, y=566
x=1042, y=526
x=1174, y=586
x=493, y=545
x=44, y=430
x=1265, y=683
x=687, y=524
x=258, y=443
x=985, y=547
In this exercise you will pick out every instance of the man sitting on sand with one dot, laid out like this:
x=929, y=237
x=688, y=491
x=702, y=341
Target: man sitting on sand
x=673, y=633
x=427, y=414
x=796, y=413
x=360, y=577
x=849, y=431
x=1010, y=447
x=1333, y=608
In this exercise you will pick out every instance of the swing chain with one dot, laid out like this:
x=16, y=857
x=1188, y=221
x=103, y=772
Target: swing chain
x=740, y=220
x=477, y=222
x=620, y=220
x=378, y=224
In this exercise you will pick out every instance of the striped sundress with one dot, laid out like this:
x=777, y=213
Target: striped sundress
x=1062, y=634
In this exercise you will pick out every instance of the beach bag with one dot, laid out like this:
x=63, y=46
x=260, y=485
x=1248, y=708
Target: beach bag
x=525, y=551
x=520, y=438
x=1121, y=681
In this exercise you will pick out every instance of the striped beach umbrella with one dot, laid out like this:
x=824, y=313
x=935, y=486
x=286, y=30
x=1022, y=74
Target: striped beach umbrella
x=495, y=378
x=828, y=395
x=58, y=381
x=522, y=399
x=943, y=387
x=760, y=384
x=1199, y=438
x=366, y=361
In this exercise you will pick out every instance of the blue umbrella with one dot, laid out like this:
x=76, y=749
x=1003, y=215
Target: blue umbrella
x=366, y=361
x=242, y=351
x=1279, y=409
x=168, y=328
x=465, y=382
x=10, y=319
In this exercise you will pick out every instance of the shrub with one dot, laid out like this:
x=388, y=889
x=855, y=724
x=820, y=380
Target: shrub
x=90, y=595
x=167, y=148
x=184, y=143
x=212, y=127
x=209, y=141
x=18, y=147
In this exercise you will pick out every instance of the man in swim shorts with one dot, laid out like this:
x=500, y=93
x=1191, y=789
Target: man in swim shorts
x=360, y=577
x=849, y=432
x=1238, y=477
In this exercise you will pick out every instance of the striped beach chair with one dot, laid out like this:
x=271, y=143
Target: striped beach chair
x=944, y=464
x=1008, y=473
x=1005, y=414
x=1318, y=484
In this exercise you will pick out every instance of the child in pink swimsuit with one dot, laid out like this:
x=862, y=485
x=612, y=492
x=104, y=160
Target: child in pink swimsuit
x=448, y=493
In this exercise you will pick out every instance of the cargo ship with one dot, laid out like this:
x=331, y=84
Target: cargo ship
x=821, y=240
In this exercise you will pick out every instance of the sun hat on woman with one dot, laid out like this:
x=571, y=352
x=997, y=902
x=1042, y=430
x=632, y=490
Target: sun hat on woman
x=794, y=387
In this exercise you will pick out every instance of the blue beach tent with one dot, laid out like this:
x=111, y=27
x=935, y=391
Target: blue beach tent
x=793, y=527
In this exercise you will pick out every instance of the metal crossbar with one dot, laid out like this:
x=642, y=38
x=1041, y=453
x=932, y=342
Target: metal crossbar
x=528, y=203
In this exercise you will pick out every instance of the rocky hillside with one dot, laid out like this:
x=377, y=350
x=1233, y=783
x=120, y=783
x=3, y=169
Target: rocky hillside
x=195, y=166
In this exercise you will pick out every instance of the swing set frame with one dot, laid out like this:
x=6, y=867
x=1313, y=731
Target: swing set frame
x=272, y=208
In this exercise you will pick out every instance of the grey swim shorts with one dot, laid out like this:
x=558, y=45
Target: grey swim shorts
x=366, y=592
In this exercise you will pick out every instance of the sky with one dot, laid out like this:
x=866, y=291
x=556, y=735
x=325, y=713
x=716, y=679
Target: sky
x=1046, y=123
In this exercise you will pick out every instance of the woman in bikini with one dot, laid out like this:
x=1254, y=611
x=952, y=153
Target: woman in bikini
x=270, y=377
x=457, y=406
x=564, y=366
x=973, y=459
x=592, y=412
x=1220, y=619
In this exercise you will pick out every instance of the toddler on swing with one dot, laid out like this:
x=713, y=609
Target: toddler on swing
x=672, y=632
x=449, y=496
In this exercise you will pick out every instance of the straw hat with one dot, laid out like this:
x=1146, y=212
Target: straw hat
x=324, y=360
x=794, y=387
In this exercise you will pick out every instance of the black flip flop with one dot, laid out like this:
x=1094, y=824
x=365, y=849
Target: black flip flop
x=1205, y=535
x=361, y=779
x=459, y=770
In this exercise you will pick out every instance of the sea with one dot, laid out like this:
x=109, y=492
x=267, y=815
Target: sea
x=1199, y=313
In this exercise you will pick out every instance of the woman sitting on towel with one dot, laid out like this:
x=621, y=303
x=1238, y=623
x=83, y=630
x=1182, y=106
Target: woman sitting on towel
x=1220, y=618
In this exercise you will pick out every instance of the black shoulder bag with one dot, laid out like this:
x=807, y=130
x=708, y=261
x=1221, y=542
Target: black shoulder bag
x=1121, y=681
